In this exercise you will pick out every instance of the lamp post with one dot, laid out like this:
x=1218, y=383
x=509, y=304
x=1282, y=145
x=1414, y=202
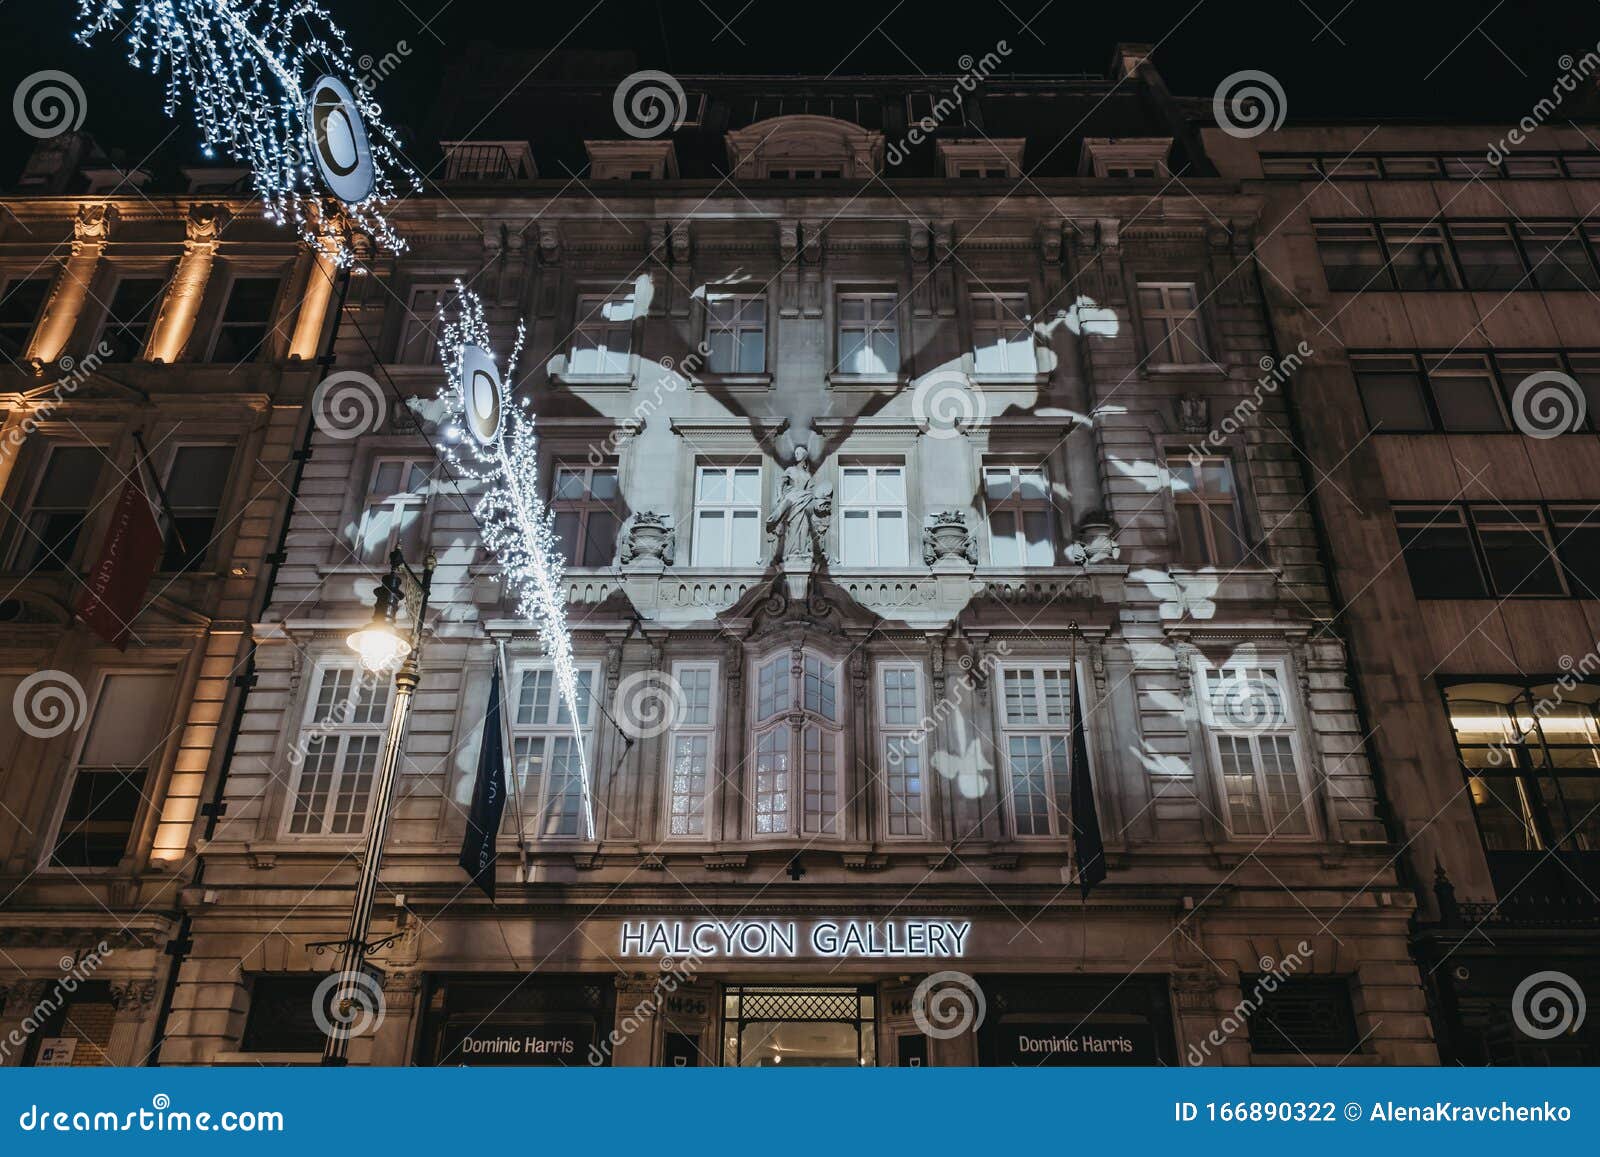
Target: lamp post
x=381, y=646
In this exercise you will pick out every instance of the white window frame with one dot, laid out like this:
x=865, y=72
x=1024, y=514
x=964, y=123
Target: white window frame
x=688, y=727
x=739, y=325
x=535, y=799
x=363, y=727
x=1278, y=727
x=1055, y=743
x=1001, y=321
x=397, y=504
x=790, y=723
x=1018, y=507
x=585, y=506
x=612, y=338
x=912, y=738
x=419, y=333
x=890, y=325
x=1173, y=319
x=875, y=511
x=728, y=509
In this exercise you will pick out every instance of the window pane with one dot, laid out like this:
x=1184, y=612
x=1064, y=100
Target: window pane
x=1558, y=258
x=1392, y=392
x=1489, y=257
x=1351, y=258
x=1465, y=392
x=892, y=546
x=1439, y=553
x=1418, y=257
x=1518, y=551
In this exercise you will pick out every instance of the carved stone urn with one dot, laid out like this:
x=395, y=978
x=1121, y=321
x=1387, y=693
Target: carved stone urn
x=1095, y=540
x=946, y=539
x=650, y=542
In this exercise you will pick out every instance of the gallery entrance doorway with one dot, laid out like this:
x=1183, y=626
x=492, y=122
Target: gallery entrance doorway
x=798, y=1026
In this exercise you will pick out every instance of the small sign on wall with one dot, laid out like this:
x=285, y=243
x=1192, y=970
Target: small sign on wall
x=57, y=1052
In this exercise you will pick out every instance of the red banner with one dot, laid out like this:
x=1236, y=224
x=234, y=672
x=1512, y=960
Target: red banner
x=128, y=558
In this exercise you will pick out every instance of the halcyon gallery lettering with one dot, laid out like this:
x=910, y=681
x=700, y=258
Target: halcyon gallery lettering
x=833, y=938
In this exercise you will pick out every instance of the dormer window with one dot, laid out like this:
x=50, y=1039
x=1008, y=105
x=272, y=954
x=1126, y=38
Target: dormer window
x=796, y=786
x=488, y=161
x=980, y=158
x=804, y=147
x=631, y=160
x=1125, y=158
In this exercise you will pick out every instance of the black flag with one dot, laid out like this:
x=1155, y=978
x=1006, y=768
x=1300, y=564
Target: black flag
x=1087, y=845
x=488, y=798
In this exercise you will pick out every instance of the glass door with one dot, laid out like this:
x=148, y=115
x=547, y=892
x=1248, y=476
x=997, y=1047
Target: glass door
x=796, y=1027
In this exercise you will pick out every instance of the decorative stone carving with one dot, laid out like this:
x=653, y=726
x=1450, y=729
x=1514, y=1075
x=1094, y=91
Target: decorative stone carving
x=801, y=516
x=1096, y=542
x=92, y=226
x=134, y=997
x=1194, y=413
x=650, y=540
x=945, y=536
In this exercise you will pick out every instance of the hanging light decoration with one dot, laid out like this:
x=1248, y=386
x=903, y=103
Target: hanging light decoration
x=273, y=86
x=491, y=439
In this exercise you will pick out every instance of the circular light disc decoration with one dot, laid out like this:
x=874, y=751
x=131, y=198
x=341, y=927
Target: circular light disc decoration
x=481, y=394
x=338, y=140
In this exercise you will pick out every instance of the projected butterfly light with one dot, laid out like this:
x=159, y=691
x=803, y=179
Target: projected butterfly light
x=490, y=439
x=273, y=86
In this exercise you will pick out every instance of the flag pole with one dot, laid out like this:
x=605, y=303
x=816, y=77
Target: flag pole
x=143, y=457
x=1072, y=749
x=511, y=752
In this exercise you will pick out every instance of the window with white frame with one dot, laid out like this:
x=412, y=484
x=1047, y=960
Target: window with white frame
x=57, y=510
x=1250, y=724
x=1169, y=312
x=1017, y=501
x=736, y=333
x=901, y=730
x=419, y=333
x=1002, y=335
x=585, y=509
x=548, y=759
x=1206, y=501
x=872, y=509
x=392, y=519
x=339, y=752
x=126, y=734
x=602, y=336
x=691, y=750
x=1036, y=702
x=795, y=786
x=868, y=337
x=727, y=516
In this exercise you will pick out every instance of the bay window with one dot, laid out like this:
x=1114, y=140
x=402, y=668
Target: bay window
x=796, y=783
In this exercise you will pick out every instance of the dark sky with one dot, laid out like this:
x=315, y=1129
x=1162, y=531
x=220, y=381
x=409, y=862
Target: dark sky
x=1467, y=59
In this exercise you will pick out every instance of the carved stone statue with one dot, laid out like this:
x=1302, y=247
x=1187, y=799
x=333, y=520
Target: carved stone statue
x=800, y=518
x=649, y=538
x=945, y=536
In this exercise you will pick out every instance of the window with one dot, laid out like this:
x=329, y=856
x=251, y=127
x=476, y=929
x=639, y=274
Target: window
x=901, y=730
x=1469, y=167
x=1577, y=531
x=736, y=333
x=1517, y=549
x=1439, y=554
x=126, y=735
x=1583, y=368
x=869, y=341
x=727, y=516
x=1207, y=508
x=1002, y=335
x=130, y=316
x=783, y=802
x=1289, y=168
x=549, y=762
x=1250, y=727
x=1036, y=702
x=1352, y=259
x=1393, y=392
x=339, y=752
x=1531, y=754
x=1352, y=168
x=1419, y=258
x=59, y=508
x=246, y=320
x=1465, y=393
x=602, y=336
x=1017, y=499
x=691, y=749
x=872, y=501
x=1411, y=168
x=584, y=505
x=1557, y=256
x=419, y=332
x=1169, y=315
x=196, y=485
x=1302, y=1015
x=1489, y=256
x=21, y=303
x=397, y=499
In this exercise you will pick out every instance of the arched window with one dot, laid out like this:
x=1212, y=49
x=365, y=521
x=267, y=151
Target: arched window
x=796, y=787
x=804, y=146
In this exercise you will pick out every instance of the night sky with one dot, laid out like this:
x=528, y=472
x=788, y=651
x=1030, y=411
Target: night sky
x=1471, y=60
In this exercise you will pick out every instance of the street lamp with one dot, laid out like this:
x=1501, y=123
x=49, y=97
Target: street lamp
x=381, y=647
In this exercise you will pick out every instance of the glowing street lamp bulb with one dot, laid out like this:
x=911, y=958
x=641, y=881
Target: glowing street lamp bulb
x=379, y=646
